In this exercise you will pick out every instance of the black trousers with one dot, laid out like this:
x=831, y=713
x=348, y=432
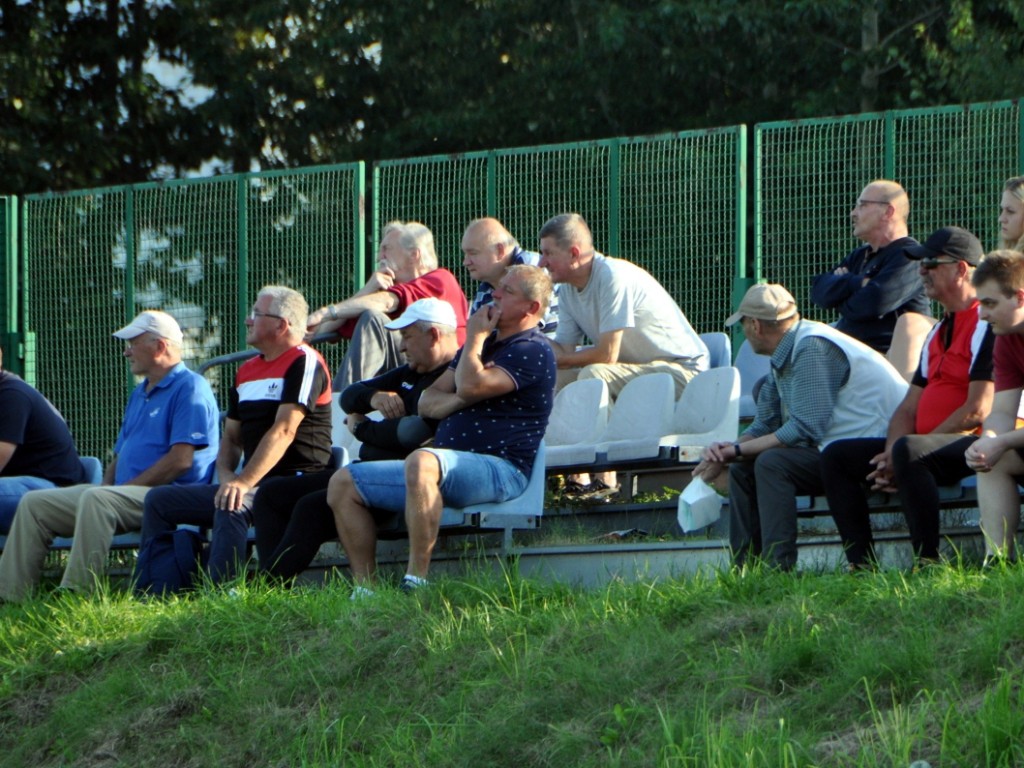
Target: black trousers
x=292, y=520
x=921, y=463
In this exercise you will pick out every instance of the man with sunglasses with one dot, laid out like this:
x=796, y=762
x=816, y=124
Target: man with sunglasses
x=949, y=397
x=279, y=419
x=876, y=283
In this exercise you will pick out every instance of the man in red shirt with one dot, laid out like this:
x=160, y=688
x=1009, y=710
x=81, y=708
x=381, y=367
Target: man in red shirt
x=998, y=455
x=949, y=396
x=406, y=271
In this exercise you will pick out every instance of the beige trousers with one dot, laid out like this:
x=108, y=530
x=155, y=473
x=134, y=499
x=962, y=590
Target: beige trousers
x=93, y=514
x=616, y=375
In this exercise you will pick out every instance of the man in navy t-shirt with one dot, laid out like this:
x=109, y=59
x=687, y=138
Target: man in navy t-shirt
x=493, y=402
x=36, y=447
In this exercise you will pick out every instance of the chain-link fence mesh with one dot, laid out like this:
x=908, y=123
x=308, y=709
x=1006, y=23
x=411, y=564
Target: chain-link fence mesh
x=197, y=249
x=808, y=173
x=672, y=204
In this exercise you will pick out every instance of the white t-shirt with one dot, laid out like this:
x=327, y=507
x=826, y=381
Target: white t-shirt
x=622, y=296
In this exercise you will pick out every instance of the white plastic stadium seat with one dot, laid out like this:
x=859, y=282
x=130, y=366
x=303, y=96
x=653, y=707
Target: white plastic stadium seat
x=579, y=416
x=752, y=368
x=708, y=412
x=719, y=349
x=641, y=416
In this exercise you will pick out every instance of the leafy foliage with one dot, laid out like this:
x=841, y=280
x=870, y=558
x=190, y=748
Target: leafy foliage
x=283, y=84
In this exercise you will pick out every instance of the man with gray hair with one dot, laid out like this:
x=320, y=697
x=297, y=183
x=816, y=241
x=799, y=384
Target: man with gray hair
x=279, y=419
x=291, y=515
x=407, y=270
x=168, y=438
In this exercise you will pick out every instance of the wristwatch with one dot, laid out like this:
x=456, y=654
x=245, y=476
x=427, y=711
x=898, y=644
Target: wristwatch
x=736, y=449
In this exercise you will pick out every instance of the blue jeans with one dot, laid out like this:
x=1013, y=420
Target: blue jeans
x=11, y=491
x=169, y=506
x=466, y=478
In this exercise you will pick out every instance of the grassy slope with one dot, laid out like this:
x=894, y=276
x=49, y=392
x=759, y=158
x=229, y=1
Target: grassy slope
x=725, y=670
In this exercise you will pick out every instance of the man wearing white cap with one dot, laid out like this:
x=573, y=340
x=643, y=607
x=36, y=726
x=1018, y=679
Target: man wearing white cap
x=823, y=386
x=169, y=436
x=279, y=419
x=291, y=515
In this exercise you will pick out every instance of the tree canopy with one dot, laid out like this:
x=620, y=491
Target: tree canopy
x=289, y=83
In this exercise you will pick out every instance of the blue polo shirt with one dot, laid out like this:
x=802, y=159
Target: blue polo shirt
x=511, y=425
x=181, y=408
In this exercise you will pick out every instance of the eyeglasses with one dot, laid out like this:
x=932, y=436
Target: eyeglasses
x=257, y=313
x=862, y=203
x=933, y=263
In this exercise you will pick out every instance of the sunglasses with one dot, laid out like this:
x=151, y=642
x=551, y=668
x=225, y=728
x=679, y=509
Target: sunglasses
x=933, y=263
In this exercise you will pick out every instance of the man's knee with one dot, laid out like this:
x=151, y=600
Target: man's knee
x=339, y=487
x=1010, y=463
x=422, y=468
x=94, y=504
x=596, y=371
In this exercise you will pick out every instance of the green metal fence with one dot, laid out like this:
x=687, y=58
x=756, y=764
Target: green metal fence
x=198, y=249
x=9, y=339
x=673, y=204
x=79, y=265
x=951, y=160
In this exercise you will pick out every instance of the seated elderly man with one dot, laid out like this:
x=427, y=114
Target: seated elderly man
x=488, y=251
x=407, y=271
x=494, y=403
x=279, y=419
x=822, y=386
x=169, y=436
x=290, y=513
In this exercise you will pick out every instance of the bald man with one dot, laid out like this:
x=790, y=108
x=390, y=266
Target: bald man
x=876, y=283
x=488, y=251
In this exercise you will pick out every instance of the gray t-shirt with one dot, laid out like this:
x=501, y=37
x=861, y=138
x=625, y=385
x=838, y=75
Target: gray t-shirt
x=622, y=296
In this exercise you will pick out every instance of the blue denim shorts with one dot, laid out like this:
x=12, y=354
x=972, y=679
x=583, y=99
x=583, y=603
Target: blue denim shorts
x=466, y=478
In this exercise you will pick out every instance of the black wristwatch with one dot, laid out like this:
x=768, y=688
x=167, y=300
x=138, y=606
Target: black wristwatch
x=736, y=449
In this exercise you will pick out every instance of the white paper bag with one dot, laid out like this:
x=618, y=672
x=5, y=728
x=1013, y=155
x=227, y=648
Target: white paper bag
x=699, y=506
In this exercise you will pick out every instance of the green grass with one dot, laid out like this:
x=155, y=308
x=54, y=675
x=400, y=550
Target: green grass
x=761, y=669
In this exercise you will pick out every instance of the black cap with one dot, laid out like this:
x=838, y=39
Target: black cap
x=955, y=242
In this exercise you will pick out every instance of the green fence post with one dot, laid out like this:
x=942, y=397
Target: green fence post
x=359, y=224
x=129, y=273
x=492, y=185
x=741, y=281
x=9, y=283
x=243, y=257
x=890, y=145
x=614, y=198
x=1020, y=136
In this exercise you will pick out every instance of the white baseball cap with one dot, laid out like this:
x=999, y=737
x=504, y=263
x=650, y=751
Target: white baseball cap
x=430, y=310
x=152, y=321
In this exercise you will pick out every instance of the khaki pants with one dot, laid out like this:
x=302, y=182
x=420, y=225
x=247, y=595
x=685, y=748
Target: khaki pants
x=93, y=514
x=616, y=375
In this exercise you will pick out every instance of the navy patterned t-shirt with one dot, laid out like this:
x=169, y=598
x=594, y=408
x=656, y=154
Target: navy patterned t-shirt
x=511, y=425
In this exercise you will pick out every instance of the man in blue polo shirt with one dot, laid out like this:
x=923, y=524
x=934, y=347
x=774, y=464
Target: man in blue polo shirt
x=493, y=402
x=36, y=447
x=168, y=437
